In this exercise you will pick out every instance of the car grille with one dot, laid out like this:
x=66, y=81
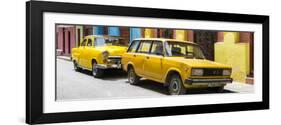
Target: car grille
x=213, y=72
x=114, y=60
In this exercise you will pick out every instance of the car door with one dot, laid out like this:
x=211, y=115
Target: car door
x=81, y=60
x=139, y=56
x=153, y=61
x=87, y=53
x=131, y=53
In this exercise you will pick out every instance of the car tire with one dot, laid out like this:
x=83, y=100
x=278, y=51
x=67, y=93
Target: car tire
x=133, y=78
x=76, y=67
x=175, y=85
x=96, y=72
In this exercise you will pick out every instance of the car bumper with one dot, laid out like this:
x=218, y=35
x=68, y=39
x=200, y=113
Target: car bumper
x=221, y=81
x=109, y=66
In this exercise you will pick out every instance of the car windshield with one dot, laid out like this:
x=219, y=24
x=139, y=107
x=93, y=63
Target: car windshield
x=109, y=42
x=181, y=49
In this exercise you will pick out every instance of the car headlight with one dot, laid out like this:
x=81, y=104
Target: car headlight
x=105, y=55
x=226, y=72
x=197, y=72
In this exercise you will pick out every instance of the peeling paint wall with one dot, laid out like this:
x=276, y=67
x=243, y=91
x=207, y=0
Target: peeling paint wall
x=181, y=35
x=235, y=53
x=149, y=33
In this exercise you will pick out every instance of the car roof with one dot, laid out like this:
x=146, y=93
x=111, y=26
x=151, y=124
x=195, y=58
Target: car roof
x=165, y=39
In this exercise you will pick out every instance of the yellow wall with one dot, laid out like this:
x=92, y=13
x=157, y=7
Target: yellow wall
x=149, y=33
x=231, y=51
x=181, y=35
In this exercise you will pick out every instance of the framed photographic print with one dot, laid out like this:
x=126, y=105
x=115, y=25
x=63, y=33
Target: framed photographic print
x=94, y=62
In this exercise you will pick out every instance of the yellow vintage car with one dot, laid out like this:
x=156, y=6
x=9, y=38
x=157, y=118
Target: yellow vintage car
x=97, y=53
x=179, y=65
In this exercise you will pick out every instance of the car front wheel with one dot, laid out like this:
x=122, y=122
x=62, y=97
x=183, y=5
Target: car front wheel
x=76, y=67
x=133, y=78
x=97, y=73
x=175, y=85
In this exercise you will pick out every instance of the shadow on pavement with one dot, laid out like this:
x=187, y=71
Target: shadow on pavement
x=109, y=74
x=114, y=75
x=154, y=86
x=158, y=87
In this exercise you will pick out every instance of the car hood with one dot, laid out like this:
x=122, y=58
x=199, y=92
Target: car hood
x=200, y=63
x=113, y=50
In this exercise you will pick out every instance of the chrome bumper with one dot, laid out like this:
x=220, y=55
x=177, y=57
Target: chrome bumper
x=109, y=66
x=207, y=81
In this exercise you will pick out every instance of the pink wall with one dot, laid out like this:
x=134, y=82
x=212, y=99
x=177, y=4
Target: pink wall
x=69, y=37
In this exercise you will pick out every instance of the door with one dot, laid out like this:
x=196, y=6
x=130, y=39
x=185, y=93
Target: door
x=206, y=39
x=139, y=57
x=125, y=35
x=113, y=31
x=81, y=60
x=135, y=33
x=68, y=42
x=87, y=53
x=153, y=61
x=63, y=40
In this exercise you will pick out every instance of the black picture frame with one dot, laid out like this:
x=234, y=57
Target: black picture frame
x=34, y=61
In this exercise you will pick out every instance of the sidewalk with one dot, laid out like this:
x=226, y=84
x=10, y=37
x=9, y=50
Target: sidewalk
x=240, y=87
x=67, y=58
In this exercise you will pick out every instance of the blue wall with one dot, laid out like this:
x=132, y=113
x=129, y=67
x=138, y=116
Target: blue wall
x=135, y=33
x=98, y=30
x=113, y=31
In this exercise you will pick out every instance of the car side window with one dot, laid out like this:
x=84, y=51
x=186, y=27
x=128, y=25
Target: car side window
x=144, y=47
x=157, y=48
x=90, y=42
x=133, y=47
x=84, y=42
x=100, y=41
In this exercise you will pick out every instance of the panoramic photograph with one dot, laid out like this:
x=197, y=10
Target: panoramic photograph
x=107, y=62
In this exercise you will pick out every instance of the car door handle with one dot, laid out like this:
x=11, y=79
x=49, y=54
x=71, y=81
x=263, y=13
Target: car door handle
x=147, y=57
x=134, y=55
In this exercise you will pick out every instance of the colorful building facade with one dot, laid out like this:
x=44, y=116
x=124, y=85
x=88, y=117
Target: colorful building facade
x=236, y=49
x=233, y=48
x=66, y=39
x=123, y=32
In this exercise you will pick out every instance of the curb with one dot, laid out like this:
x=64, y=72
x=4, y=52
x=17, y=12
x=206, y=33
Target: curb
x=64, y=58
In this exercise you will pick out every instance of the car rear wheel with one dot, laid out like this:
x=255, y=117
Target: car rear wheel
x=76, y=67
x=97, y=73
x=175, y=85
x=133, y=78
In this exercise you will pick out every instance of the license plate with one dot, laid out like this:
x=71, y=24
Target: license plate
x=114, y=66
x=214, y=84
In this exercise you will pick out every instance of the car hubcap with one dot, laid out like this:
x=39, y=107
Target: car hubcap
x=175, y=86
x=94, y=69
x=131, y=76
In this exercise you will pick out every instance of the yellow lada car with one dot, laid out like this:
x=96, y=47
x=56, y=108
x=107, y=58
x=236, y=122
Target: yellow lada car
x=97, y=53
x=179, y=65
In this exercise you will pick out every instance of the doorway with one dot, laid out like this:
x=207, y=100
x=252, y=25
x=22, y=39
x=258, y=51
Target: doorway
x=63, y=40
x=68, y=41
x=206, y=40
